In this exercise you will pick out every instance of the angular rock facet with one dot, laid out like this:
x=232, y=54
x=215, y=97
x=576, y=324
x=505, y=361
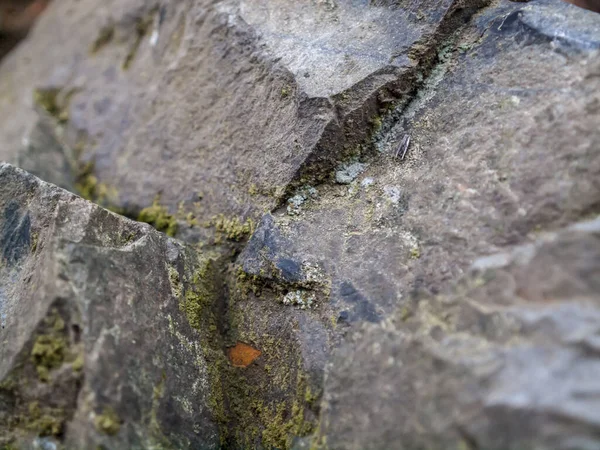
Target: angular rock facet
x=95, y=346
x=508, y=360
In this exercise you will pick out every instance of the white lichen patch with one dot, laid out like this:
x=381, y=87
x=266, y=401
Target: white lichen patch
x=300, y=299
x=302, y=195
x=368, y=181
x=313, y=273
x=347, y=173
x=392, y=194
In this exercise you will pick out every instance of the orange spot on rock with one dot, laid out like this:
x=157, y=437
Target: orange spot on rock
x=242, y=355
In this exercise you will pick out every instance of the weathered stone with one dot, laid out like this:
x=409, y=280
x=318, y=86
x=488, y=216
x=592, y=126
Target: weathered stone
x=508, y=360
x=96, y=346
x=204, y=113
x=232, y=101
x=504, y=144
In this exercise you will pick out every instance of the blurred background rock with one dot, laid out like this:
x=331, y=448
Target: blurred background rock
x=16, y=18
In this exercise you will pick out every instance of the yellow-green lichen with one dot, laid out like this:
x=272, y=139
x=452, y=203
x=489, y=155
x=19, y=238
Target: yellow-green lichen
x=108, y=422
x=47, y=99
x=77, y=365
x=158, y=216
x=142, y=26
x=50, y=349
x=43, y=421
x=88, y=187
x=415, y=253
x=48, y=353
x=199, y=296
x=176, y=287
x=232, y=229
x=34, y=241
x=104, y=38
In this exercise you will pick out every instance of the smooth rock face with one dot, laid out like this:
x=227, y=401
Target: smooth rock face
x=95, y=349
x=508, y=360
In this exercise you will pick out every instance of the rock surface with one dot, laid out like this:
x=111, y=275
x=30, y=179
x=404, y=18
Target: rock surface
x=95, y=347
x=339, y=163
x=208, y=102
x=507, y=360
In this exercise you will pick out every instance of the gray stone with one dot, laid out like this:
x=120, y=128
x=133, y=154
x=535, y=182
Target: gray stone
x=96, y=350
x=238, y=101
x=507, y=360
x=235, y=109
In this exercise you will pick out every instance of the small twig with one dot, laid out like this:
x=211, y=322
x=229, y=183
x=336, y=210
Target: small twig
x=403, y=148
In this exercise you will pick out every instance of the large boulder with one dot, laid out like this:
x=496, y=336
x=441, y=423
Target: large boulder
x=503, y=146
x=217, y=105
x=108, y=328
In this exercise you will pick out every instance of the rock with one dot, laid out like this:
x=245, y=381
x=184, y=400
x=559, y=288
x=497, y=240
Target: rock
x=104, y=342
x=508, y=360
x=211, y=99
x=503, y=146
x=224, y=124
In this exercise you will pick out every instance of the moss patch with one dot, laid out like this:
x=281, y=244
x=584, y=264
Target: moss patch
x=48, y=353
x=232, y=229
x=88, y=187
x=199, y=298
x=51, y=348
x=158, y=216
x=108, y=422
x=45, y=421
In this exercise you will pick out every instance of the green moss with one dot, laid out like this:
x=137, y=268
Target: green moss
x=78, y=364
x=44, y=421
x=176, y=287
x=285, y=91
x=377, y=122
x=158, y=216
x=49, y=99
x=233, y=229
x=48, y=353
x=415, y=253
x=108, y=422
x=8, y=446
x=191, y=220
x=199, y=297
x=34, y=241
x=88, y=187
x=157, y=394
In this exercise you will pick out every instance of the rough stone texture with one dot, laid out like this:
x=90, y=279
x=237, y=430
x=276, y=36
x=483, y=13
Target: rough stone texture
x=95, y=348
x=504, y=145
x=240, y=107
x=508, y=360
x=232, y=100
